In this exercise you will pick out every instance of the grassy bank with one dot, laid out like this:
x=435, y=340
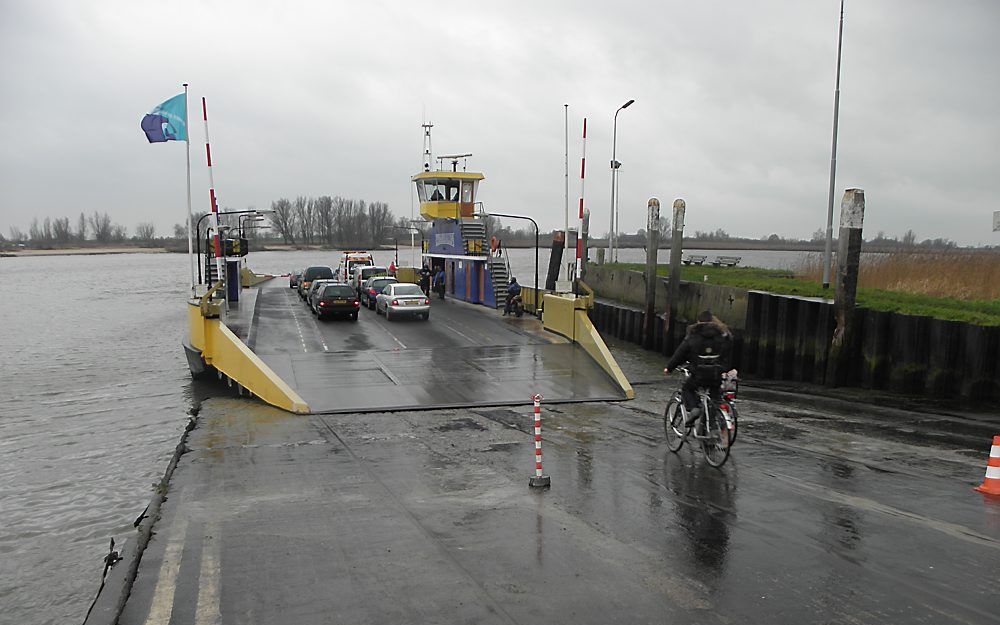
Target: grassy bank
x=964, y=280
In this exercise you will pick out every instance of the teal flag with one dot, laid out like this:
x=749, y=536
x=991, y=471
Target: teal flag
x=167, y=122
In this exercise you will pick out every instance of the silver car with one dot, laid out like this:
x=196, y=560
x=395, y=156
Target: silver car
x=402, y=298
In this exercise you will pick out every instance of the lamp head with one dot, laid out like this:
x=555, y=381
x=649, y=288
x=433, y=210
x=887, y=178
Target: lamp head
x=627, y=104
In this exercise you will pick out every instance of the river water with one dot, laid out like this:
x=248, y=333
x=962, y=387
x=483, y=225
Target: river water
x=94, y=395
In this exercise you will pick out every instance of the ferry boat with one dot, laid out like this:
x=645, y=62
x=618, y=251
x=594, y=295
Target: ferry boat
x=476, y=270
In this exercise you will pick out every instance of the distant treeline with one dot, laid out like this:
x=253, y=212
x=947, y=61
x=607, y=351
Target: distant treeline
x=97, y=227
x=338, y=221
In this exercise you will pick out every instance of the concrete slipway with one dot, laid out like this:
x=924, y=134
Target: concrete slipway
x=828, y=512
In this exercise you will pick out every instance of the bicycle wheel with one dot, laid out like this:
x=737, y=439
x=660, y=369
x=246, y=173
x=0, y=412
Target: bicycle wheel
x=732, y=420
x=673, y=424
x=717, y=443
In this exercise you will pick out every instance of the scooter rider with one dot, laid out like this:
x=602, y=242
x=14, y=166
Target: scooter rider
x=707, y=346
x=513, y=290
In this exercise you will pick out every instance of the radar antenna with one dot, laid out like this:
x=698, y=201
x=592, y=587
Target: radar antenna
x=454, y=160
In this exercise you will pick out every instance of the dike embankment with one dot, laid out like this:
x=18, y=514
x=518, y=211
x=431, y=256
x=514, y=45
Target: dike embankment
x=787, y=338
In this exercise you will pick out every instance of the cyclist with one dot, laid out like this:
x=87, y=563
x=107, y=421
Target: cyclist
x=513, y=290
x=707, y=346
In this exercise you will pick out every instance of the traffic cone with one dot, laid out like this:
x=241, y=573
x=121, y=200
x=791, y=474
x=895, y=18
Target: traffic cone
x=991, y=485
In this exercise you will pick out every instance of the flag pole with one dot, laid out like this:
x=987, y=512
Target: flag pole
x=187, y=130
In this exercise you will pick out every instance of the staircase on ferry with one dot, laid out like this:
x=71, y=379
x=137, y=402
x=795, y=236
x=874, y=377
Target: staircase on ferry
x=474, y=243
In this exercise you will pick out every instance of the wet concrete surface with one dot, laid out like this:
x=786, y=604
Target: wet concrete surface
x=465, y=355
x=827, y=512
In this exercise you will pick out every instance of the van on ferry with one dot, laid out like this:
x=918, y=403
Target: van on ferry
x=349, y=259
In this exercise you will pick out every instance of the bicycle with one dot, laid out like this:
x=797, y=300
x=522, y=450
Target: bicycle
x=715, y=434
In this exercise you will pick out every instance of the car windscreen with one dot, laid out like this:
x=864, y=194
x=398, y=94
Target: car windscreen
x=317, y=273
x=338, y=291
x=378, y=285
x=407, y=289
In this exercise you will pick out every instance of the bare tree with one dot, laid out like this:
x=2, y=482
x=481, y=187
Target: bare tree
x=118, y=233
x=145, y=231
x=283, y=219
x=61, y=230
x=324, y=218
x=304, y=218
x=909, y=238
x=100, y=225
x=379, y=222
x=16, y=236
x=347, y=216
x=40, y=233
x=81, y=228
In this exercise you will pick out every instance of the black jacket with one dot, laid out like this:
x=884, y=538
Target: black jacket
x=704, y=339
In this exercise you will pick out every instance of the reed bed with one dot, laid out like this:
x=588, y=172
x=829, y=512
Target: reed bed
x=965, y=276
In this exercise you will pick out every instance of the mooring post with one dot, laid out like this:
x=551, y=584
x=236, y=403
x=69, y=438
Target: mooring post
x=676, y=246
x=555, y=259
x=852, y=216
x=652, y=240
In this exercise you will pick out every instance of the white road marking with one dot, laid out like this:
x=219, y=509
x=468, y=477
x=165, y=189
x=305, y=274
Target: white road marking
x=298, y=327
x=209, y=612
x=455, y=330
x=162, y=605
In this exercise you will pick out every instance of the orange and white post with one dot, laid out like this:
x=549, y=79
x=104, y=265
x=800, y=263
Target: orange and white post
x=991, y=485
x=538, y=480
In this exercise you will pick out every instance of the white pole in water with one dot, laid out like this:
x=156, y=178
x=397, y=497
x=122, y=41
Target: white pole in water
x=187, y=148
x=828, y=249
x=566, y=165
x=214, y=206
x=579, y=236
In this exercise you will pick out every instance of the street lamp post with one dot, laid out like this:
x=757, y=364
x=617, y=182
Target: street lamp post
x=828, y=247
x=612, y=248
x=245, y=219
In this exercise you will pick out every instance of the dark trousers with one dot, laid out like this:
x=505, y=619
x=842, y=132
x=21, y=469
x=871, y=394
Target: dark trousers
x=689, y=392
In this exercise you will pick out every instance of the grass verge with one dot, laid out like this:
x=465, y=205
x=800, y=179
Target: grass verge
x=783, y=282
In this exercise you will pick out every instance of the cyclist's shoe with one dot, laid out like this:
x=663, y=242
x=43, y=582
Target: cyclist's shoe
x=693, y=415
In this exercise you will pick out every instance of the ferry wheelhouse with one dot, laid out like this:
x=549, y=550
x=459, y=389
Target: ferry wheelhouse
x=475, y=268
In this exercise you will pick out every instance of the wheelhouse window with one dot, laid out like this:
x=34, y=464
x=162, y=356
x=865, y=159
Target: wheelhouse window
x=438, y=190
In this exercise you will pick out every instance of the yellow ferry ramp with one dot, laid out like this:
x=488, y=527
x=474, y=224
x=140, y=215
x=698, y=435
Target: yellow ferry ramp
x=223, y=350
x=567, y=315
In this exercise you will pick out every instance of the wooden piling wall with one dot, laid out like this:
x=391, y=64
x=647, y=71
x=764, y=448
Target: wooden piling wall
x=788, y=338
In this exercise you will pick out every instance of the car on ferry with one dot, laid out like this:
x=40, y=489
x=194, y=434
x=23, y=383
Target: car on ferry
x=314, y=288
x=361, y=273
x=372, y=287
x=316, y=272
x=293, y=278
x=351, y=258
x=335, y=298
x=402, y=299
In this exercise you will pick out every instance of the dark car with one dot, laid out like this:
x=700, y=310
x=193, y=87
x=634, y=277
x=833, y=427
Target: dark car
x=372, y=287
x=318, y=272
x=293, y=278
x=336, y=299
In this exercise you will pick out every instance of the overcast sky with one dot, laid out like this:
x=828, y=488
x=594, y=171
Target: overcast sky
x=733, y=111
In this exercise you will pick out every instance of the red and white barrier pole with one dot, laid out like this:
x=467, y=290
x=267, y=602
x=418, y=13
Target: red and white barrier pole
x=579, y=233
x=214, y=204
x=538, y=480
